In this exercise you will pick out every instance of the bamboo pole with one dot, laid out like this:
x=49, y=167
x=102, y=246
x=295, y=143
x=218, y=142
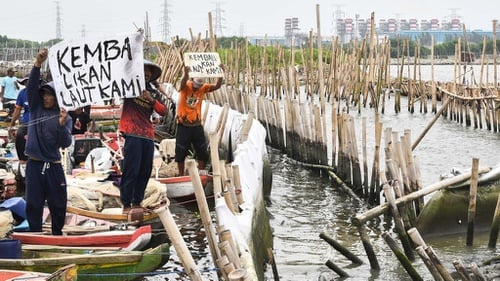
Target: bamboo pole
x=365, y=239
x=494, y=39
x=495, y=226
x=203, y=207
x=239, y=274
x=344, y=187
x=398, y=222
x=401, y=257
x=472, y=202
x=428, y=263
x=227, y=250
x=461, y=270
x=331, y=265
x=214, y=155
x=416, y=237
x=225, y=266
x=272, y=261
x=180, y=246
x=375, y=186
x=477, y=273
x=377, y=211
x=440, y=267
x=365, y=154
x=434, y=119
x=229, y=183
x=237, y=184
x=344, y=251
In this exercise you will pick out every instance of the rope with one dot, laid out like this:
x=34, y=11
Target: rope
x=37, y=121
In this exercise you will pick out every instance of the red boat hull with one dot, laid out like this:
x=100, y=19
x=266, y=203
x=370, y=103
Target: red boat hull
x=115, y=238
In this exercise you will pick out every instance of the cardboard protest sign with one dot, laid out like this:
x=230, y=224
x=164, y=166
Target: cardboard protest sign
x=92, y=71
x=203, y=65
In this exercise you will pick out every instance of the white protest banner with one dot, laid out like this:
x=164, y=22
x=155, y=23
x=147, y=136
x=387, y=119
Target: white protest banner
x=92, y=71
x=203, y=65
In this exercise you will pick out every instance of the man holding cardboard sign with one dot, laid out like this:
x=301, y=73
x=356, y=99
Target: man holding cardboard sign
x=189, y=127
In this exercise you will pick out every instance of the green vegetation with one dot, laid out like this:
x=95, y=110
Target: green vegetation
x=6, y=42
x=229, y=45
x=399, y=47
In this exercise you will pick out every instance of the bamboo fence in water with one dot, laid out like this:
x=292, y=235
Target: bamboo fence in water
x=306, y=110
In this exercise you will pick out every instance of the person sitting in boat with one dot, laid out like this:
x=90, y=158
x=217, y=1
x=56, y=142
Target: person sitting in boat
x=189, y=129
x=138, y=131
x=49, y=130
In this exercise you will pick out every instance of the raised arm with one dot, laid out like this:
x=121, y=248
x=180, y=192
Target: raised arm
x=34, y=98
x=218, y=84
x=185, y=77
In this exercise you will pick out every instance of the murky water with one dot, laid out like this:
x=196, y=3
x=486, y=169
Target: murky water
x=304, y=204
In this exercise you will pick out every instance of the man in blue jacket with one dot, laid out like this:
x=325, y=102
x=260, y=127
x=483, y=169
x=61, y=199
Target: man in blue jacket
x=49, y=129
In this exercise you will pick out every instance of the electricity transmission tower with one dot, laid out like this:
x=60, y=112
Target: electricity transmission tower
x=58, y=21
x=165, y=23
x=219, y=19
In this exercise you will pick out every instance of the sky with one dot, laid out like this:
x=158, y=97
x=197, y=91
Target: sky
x=35, y=20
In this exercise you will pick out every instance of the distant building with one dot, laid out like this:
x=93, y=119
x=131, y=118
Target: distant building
x=348, y=29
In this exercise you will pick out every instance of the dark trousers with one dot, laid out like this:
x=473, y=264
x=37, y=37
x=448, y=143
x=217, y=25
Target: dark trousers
x=21, y=133
x=45, y=181
x=136, y=169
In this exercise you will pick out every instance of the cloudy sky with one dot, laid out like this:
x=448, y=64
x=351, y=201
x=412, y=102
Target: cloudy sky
x=36, y=19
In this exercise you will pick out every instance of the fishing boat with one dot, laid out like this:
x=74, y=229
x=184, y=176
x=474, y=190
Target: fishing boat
x=181, y=188
x=111, y=214
x=446, y=211
x=65, y=273
x=128, y=239
x=94, y=265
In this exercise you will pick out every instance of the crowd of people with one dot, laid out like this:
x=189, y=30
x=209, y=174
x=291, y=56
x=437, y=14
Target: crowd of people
x=41, y=128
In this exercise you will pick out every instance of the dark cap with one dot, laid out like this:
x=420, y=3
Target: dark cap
x=48, y=88
x=11, y=69
x=154, y=68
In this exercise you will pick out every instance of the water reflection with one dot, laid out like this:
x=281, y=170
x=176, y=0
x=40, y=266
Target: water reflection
x=304, y=203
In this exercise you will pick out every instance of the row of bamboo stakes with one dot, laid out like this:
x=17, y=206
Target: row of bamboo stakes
x=291, y=105
x=295, y=117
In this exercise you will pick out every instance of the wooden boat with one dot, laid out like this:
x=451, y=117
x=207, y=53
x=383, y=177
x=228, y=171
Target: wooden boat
x=113, y=215
x=181, y=188
x=105, y=112
x=127, y=239
x=446, y=212
x=65, y=273
x=94, y=265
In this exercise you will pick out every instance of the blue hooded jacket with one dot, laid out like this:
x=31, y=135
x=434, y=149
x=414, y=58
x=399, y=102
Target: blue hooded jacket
x=45, y=135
